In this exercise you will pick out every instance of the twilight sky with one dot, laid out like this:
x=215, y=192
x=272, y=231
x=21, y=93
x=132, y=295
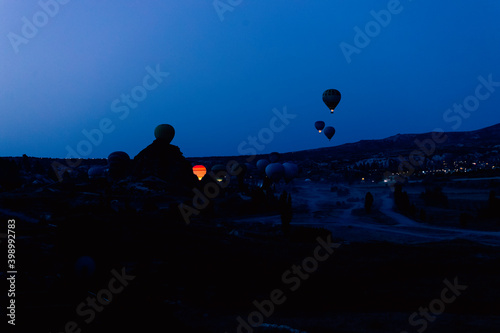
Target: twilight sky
x=216, y=70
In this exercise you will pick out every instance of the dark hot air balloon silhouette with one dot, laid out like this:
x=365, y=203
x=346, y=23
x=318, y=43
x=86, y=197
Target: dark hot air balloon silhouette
x=99, y=171
x=165, y=133
x=274, y=157
x=221, y=172
x=319, y=125
x=262, y=164
x=275, y=171
x=119, y=163
x=291, y=171
x=329, y=132
x=331, y=98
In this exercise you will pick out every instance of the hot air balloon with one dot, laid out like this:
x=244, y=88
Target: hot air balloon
x=118, y=156
x=329, y=132
x=200, y=171
x=118, y=162
x=275, y=171
x=262, y=164
x=97, y=172
x=291, y=171
x=165, y=133
x=319, y=125
x=220, y=171
x=331, y=98
x=274, y=157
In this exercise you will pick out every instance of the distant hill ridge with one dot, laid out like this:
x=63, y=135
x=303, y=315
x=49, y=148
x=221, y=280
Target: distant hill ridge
x=482, y=139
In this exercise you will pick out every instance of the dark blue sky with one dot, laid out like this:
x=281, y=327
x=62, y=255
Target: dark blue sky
x=228, y=70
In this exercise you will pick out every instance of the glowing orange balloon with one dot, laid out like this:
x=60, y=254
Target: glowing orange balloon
x=199, y=171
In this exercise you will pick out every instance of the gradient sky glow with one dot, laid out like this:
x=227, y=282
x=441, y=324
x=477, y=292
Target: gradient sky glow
x=226, y=76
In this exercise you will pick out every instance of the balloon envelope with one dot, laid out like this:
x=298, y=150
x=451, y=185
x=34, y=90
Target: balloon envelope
x=329, y=132
x=118, y=156
x=291, y=171
x=97, y=172
x=164, y=132
x=275, y=171
x=220, y=171
x=118, y=162
x=262, y=164
x=331, y=98
x=319, y=125
x=274, y=157
x=200, y=171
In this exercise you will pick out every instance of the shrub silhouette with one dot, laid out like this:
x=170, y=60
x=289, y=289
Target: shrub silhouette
x=401, y=199
x=435, y=197
x=368, y=202
x=285, y=209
